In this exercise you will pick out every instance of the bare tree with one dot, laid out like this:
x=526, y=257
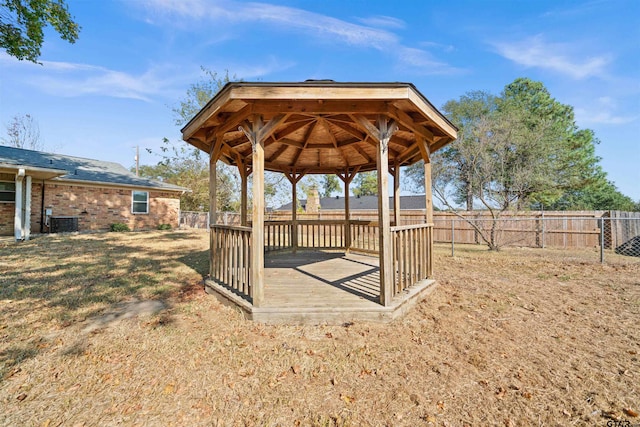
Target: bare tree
x=23, y=132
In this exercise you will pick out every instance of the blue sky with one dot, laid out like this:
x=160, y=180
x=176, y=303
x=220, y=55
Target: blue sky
x=115, y=87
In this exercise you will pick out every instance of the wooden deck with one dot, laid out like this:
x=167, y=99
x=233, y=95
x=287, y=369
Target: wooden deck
x=312, y=287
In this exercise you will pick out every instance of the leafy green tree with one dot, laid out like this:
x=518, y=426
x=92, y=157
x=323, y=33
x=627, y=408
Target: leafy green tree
x=330, y=185
x=600, y=195
x=365, y=184
x=190, y=169
x=22, y=24
x=517, y=150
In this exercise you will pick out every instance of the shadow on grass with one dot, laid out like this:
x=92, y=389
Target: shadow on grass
x=58, y=281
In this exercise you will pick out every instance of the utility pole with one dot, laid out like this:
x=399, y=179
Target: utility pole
x=137, y=160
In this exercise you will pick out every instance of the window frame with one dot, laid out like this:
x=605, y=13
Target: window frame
x=8, y=191
x=134, y=202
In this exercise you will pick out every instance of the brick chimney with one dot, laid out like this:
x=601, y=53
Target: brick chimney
x=313, y=201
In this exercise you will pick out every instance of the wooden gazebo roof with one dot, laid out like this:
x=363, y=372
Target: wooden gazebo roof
x=319, y=126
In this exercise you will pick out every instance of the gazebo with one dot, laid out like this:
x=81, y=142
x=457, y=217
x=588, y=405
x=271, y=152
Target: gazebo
x=320, y=127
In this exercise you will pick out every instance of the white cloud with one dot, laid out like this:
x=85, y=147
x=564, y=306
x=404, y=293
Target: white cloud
x=319, y=26
x=535, y=52
x=383, y=21
x=422, y=60
x=68, y=79
x=603, y=110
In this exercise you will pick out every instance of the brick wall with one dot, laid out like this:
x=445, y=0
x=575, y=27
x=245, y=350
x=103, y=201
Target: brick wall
x=99, y=207
x=96, y=208
x=7, y=213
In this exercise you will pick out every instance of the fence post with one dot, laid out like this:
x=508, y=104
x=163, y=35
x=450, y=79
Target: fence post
x=543, y=229
x=602, y=240
x=208, y=220
x=453, y=233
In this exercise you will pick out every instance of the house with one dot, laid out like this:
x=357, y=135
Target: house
x=45, y=192
x=360, y=203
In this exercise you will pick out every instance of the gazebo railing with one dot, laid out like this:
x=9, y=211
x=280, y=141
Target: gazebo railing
x=278, y=235
x=364, y=236
x=231, y=258
x=321, y=234
x=410, y=245
x=231, y=248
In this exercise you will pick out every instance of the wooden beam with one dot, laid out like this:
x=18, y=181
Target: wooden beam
x=369, y=128
x=407, y=121
x=270, y=127
x=350, y=129
x=291, y=143
x=407, y=154
x=234, y=120
x=277, y=153
x=291, y=128
x=424, y=149
x=325, y=124
x=305, y=142
x=315, y=106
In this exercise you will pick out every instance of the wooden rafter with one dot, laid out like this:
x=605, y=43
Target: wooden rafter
x=305, y=142
x=325, y=123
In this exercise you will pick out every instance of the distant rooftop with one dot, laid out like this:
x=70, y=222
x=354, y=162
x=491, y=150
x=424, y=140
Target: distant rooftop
x=362, y=203
x=78, y=169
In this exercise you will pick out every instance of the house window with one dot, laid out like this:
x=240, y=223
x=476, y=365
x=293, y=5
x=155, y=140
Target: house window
x=140, y=202
x=7, y=191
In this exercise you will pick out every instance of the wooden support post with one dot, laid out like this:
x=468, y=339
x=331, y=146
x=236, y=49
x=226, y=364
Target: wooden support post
x=294, y=178
x=429, y=215
x=396, y=194
x=347, y=177
x=257, y=131
x=257, y=225
x=244, y=174
x=347, y=216
x=294, y=214
x=213, y=205
x=385, y=130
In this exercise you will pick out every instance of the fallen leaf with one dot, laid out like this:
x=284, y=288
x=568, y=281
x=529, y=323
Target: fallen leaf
x=21, y=397
x=630, y=412
x=169, y=388
x=347, y=399
x=526, y=395
x=296, y=369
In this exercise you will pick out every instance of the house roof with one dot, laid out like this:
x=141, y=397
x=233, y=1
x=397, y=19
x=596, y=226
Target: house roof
x=60, y=167
x=319, y=127
x=362, y=203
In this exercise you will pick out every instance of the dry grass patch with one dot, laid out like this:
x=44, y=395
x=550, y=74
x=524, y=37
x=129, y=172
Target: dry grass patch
x=519, y=337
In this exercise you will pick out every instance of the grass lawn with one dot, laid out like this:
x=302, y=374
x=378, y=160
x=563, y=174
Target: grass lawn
x=106, y=329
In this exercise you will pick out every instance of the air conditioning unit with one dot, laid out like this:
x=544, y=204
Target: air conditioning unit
x=64, y=224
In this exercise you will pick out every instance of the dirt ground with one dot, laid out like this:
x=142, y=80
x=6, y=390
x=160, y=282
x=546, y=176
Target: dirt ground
x=114, y=329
